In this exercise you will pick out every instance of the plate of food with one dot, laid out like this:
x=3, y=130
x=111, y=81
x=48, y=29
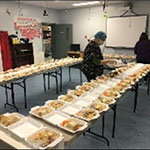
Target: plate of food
x=111, y=93
x=106, y=100
x=73, y=125
x=71, y=109
x=40, y=111
x=67, y=98
x=56, y=117
x=84, y=87
x=87, y=114
x=25, y=127
x=8, y=119
x=91, y=84
x=56, y=104
x=99, y=106
x=44, y=138
x=81, y=103
x=76, y=92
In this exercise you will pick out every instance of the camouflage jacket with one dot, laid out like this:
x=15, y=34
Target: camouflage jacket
x=91, y=60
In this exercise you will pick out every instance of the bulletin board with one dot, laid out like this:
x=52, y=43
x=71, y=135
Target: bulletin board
x=124, y=32
x=28, y=27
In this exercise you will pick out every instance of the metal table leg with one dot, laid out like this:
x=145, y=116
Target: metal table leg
x=80, y=76
x=148, y=83
x=25, y=96
x=56, y=83
x=136, y=96
x=44, y=82
x=48, y=81
x=69, y=73
x=103, y=125
x=100, y=136
x=11, y=88
x=60, y=79
x=114, y=120
x=6, y=93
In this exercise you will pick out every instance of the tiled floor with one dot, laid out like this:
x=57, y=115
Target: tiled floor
x=132, y=129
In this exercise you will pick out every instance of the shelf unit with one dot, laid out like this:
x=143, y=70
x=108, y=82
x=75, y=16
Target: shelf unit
x=22, y=54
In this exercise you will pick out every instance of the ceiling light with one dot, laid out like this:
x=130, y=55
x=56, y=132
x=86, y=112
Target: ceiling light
x=87, y=3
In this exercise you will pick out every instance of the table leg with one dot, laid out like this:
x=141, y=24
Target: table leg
x=114, y=120
x=135, y=96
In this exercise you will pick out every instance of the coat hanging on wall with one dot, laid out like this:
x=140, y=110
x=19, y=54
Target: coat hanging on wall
x=5, y=51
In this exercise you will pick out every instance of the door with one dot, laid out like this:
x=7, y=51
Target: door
x=61, y=40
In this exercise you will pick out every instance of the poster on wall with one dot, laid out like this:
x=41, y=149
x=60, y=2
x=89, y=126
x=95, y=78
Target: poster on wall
x=29, y=27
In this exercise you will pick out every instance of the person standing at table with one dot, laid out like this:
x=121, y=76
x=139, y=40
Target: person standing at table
x=142, y=49
x=93, y=61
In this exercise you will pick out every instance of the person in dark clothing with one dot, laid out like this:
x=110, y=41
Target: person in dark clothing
x=93, y=61
x=142, y=49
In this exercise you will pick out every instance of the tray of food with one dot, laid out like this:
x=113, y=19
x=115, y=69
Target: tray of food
x=71, y=109
x=116, y=63
x=73, y=125
x=8, y=119
x=56, y=117
x=124, y=84
x=87, y=114
x=82, y=103
x=84, y=87
x=88, y=98
x=44, y=138
x=99, y=81
x=76, y=92
x=119, y=89
x=106, y=100
x=91, y=84
x=67, y=98
x=111, y=93
x=40, y=111
x=110, y=83
x=56, y=104
x=99, y=106
x=25, y=127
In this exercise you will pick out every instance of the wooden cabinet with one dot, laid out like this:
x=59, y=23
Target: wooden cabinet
x=22, y=54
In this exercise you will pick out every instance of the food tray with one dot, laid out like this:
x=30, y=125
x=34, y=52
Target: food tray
x=55, y=117
x=56, y=137
x=84, y=110
x=76, y=92
x=88, y=98
x=56, y=104
x=71, y=109
x=110, y=84
x=115, y=97
x=73, y=98
x=109, y=102
x=96, y=92
x=19, y=116
x=81, y=103
x=78, y=121
x=34, y=111
x=25, y=127
x=99, y=104
x=84, y=87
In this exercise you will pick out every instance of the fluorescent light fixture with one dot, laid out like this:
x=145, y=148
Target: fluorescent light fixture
x=86, y=3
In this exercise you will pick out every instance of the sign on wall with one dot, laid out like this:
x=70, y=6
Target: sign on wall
x=28, y=27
